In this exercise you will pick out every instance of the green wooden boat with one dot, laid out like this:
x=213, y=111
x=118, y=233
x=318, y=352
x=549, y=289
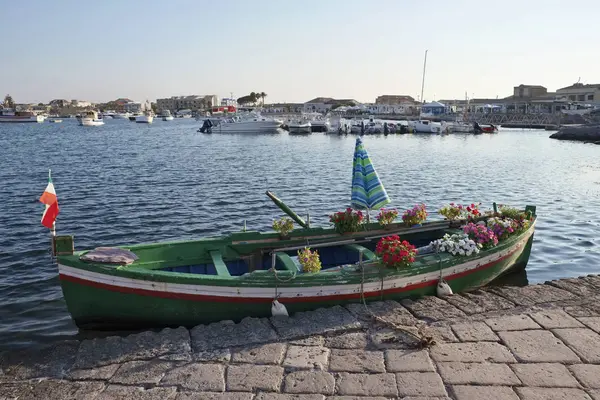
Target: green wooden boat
x=239, y=275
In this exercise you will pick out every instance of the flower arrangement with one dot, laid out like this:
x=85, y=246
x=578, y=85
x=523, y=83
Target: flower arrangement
x=481, y=234
x=415, y=215
x=395, y=253
x=309, y=260
x=454, y=211
x=387, y=216
x=502, y=227
x=346, y=221
x=456, y=244
x=520, y=217
x=283, y=226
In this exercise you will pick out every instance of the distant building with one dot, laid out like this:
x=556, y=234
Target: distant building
x=580, y=93
x=433, y=109
x=80, y=103
x=133, y=107
x=395, y=100
x=529, y=91
x=284, y=108
x=193, y=102
x=60, y=103
x=324, y=104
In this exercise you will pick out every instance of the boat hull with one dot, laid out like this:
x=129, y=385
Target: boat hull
x=120, y=299
x=17, y=119
x=91, y=122
x=300, y=129
x=169, y=118
x=248, y=127
x=144, y=119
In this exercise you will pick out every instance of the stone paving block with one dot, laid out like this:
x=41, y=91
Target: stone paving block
x=119, y=392
x=309, y=382
x=432, y=309
x=278, y=396
x=484, y=392
x=545, y=375
x=357, y=398
x=534, y=393
x=353, y=340
x=226, y=334
x=141, y=372
x=317, y=322
x=408, y=361
x=458, y=373
x=306, y=357
x=581, y=311
x=196, y=377
x=309, y=341
x=595, y=394
x=474, y=332
x=533, y=294
x=472, y=352
x=59, y=389
x=388, y=338
x=591, y=322
x=100, y=373
x=538, y=346
x=271, y=353
x=425, y=398
x=585, y=342
x=551, y=319
x=16, y=390
x=420, y=384
x=216, y=355
x=487, y=300
x=512, y=323
x=441, y=334
x=464, y=304
x=588, y=374
x=249, y=378
x=356, y=361
x=576, y=286
x=52, y=361
x=213, y=396
x=367, y=384
x=389, y=310
x=172, y=343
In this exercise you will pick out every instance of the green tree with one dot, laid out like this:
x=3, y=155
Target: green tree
x=8, y=101
x=253, y=97
x=262, y=96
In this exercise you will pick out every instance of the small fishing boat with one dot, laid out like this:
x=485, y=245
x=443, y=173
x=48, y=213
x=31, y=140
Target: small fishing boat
x=243, y=273
x=90, y=118
x=54, y=120
x=167, y=116
x=298, y=127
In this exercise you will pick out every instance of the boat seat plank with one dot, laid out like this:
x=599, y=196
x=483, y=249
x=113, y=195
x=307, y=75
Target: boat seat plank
x=287, y=261
x=367, y=254
x=220, y=266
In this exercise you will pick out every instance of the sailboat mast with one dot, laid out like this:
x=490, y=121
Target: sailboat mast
x=423, y=82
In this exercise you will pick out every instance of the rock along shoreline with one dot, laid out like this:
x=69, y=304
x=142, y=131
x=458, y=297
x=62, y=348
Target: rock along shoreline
x=518, y=343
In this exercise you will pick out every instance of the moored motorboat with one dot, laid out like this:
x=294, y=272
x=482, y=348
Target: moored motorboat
x=426, y=126
x=484, y=128
x=251, y=123
x=9, y=115
x=90, y=118
x=298, y=127
x=167, y=116
x=146, y=118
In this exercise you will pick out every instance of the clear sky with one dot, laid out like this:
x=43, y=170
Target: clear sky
x=294, y=50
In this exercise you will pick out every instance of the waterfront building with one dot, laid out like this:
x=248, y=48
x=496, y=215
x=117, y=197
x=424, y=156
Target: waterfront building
x=133, y=107
x=193, y=102
x=295, y=108
x=394, y=104
x=581, y=93
x=80, y=104
x=60, y=103
x=435, y=108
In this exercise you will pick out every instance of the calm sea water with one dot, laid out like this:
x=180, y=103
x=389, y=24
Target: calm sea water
x=127, y=183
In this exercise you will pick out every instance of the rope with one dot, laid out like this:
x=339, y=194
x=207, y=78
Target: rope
x=420, y=340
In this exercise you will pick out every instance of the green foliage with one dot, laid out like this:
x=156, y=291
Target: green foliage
x=283, y=226
x=511, y=212
x=9, y=102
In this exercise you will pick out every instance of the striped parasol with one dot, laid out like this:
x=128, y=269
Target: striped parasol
x=367, y=190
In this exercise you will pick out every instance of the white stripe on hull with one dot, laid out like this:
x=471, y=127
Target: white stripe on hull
x=285, y=292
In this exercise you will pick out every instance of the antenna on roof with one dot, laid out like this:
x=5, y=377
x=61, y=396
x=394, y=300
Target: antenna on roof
x=578, y=79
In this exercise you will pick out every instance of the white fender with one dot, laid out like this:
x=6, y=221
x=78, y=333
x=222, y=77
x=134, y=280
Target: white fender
x=443, y=289
x=278, y=309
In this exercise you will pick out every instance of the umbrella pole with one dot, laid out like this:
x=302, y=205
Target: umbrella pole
x=368, y=216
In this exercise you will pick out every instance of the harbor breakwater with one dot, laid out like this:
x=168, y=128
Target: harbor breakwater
x=584, y=133
x=515, y=343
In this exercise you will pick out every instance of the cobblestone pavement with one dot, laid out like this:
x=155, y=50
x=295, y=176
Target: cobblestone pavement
x=506, y=343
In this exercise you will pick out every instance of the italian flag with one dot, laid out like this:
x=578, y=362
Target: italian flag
x=51, y=201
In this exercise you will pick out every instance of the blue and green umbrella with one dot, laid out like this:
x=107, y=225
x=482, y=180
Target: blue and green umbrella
x=367, y=190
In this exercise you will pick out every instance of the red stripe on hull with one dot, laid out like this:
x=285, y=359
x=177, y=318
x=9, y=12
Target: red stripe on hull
x=299, y=299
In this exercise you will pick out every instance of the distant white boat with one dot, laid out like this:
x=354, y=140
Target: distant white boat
x=90, y=118
x=9, y=115
x=458, y=127
x=298, y=127
x=167, y=116
x=251, y=123
x=147, y=117
x=125, y=115
x=426, y=126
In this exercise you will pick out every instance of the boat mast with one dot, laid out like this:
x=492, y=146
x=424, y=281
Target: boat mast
x=423, y=82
